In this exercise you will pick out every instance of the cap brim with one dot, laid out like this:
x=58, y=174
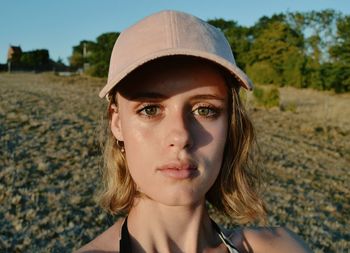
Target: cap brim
x=236, y=72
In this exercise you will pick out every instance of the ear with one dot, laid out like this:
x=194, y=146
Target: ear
x=115, y=123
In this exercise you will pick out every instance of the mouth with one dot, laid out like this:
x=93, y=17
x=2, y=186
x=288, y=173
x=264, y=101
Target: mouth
x=179, y=171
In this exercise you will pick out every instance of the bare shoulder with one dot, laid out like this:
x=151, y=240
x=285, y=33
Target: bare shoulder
x=108, y=241
x=260, y=240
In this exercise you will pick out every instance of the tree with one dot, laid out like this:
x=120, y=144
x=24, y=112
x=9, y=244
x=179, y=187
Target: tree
x=238, y=38
x=95, y=54
x=277, y=51
x=77, y=59
x=100, y=54
x=37, y=60
x=319, y=31
x=264, y=22
x=339, y=71
x=318, y=28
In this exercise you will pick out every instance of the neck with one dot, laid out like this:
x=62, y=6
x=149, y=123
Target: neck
x=154, y=227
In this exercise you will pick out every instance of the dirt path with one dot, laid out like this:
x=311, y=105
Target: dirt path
x=50, y=158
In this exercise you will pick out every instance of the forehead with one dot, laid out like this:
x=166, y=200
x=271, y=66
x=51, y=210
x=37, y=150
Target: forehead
x=175, y=75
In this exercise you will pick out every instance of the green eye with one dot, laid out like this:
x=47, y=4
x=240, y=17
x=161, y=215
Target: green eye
x=149, y=110
x=205, y=111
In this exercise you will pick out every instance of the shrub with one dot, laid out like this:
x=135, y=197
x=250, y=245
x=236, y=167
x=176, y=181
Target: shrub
x=266, y=96
x=264, y=73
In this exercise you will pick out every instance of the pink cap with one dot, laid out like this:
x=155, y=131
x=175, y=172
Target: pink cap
x=168, y=33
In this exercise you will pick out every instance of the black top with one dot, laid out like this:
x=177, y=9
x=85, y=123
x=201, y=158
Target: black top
x=125, y=243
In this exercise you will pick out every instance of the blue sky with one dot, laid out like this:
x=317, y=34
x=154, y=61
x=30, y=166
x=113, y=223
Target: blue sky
x=59, y=25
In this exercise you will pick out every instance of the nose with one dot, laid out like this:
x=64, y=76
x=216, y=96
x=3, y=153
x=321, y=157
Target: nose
x=179, y=135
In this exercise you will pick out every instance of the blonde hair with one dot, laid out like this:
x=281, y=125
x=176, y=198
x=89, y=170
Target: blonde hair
x=235, y=192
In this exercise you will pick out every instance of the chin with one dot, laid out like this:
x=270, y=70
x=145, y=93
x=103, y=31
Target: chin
x=178, y=198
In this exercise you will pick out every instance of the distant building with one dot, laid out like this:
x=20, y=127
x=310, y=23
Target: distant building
x=35, y=60
x=13, y=57
x=14, y=53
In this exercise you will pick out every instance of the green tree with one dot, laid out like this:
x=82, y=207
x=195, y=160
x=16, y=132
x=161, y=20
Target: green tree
x=278, y=50
x=264, y=22
x=77, y=59
x=37, y=60
x=312, y=73
x=319, y=29
x=263, y=72
x=339, y=71
x=238, y=38
x=100, y=54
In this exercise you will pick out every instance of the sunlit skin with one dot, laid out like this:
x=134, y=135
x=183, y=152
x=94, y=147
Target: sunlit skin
x=174, y=127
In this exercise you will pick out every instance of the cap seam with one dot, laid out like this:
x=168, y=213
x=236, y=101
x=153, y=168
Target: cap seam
x=166, y=30
x=176, y=30
x=173, y=37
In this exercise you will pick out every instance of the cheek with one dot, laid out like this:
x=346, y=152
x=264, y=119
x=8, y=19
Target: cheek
x=135, y=139
x=136, y=134
x=215, y=150
x=215, y=132
x=211, y=137
x=140, y=146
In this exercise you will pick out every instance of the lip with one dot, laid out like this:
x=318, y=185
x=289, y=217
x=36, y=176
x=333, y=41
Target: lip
x=179, y=171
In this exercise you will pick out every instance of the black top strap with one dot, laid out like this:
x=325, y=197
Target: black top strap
x=223, y=237
x=125, y=243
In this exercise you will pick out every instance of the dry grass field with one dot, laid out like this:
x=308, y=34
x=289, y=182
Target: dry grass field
x=50, y=161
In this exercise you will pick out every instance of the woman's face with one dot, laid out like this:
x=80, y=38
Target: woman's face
x=173, y=119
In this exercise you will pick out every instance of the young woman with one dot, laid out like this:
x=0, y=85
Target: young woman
x=178, y=138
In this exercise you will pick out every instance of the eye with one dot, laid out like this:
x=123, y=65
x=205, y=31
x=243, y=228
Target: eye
x=206, y=111
x=149, y=110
